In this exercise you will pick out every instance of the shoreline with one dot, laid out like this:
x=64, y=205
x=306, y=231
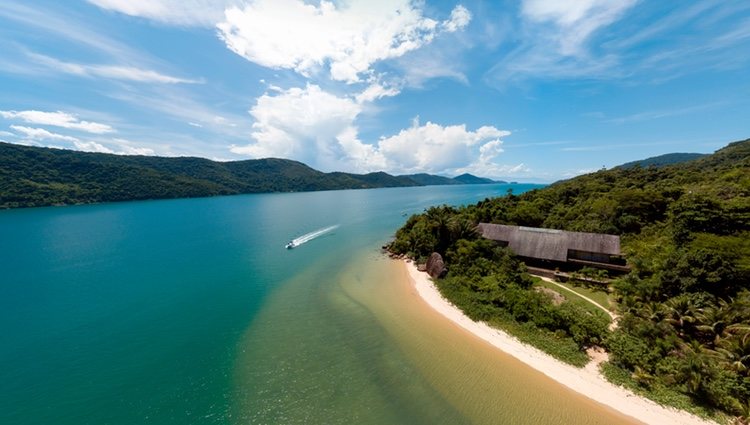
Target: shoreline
x=586, y=381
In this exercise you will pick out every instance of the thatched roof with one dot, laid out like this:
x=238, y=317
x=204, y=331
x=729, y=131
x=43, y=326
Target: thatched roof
x=549, y=244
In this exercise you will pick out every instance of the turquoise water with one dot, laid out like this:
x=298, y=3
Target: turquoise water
x=132, y=312
x=191, y=311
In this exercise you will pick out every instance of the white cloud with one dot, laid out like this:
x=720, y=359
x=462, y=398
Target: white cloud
x=91, y=147
x=57, y=119
x=376, y=91
x=426, y=64
x=41, y=134
x=29, y=142
x=318, y=128
x=126, y=147
x=34, y=137
x=175, y=12
x=348, y=37
x=134, y=74
x=309, y=125
x=581, y=171
x=460, y=18
x=495, y=170
x=440, y=149
x=576, y=20
x=115, y=72
x=555, y=40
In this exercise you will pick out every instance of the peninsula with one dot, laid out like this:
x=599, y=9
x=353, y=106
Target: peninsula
x=682, y=303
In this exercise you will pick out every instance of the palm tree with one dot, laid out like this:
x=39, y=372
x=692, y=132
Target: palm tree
x=744, y=409
x=461, y=228
x=680, y=313
x=712, y=324
x=652, y=311
x=439, y=218
x=694, y=368
x=735, y=351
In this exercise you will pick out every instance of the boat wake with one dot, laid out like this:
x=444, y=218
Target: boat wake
x=307, y=237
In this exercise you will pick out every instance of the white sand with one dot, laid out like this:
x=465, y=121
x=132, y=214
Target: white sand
x=587, y=381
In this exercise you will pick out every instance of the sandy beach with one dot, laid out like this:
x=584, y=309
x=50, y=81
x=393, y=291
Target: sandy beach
x=586, y=381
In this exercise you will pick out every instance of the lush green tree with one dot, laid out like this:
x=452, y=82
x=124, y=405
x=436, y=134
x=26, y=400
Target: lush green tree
x=685, y=305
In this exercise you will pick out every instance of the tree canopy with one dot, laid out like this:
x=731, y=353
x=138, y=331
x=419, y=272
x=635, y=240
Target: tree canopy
x=684, y=307
x=32, y=177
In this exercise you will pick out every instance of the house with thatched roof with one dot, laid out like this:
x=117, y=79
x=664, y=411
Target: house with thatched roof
x=553, y=248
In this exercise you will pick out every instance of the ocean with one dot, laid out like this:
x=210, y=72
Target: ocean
x=191, y=311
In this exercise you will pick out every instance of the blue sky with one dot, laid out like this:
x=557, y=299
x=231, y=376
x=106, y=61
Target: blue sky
x=531, y=90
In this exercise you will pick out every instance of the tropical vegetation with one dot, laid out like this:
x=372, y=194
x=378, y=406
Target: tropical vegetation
x=32, y=176
x=683, y=336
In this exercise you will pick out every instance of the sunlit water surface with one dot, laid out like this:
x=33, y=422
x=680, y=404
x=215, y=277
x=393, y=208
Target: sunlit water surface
x=191, y=311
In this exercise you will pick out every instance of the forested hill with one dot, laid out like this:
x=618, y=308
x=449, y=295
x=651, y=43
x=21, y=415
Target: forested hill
x=467, y=178
x=684, y=333
x=32, y=176
x=662, y=160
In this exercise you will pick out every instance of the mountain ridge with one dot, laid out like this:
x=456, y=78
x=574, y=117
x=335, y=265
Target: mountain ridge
x=35, y=176
x=664, y=160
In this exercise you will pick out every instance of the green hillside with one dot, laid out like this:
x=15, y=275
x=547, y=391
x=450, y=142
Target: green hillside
x=684, y=333
x=662, y=160
x=432, y=180
x=467, y=178
x=32, y=176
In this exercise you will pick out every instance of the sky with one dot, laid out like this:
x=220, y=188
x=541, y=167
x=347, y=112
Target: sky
x=525, y=90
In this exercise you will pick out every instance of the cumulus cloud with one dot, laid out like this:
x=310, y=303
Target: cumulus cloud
x=318, y=128
x=307, y=124
x=460, y=17
x=58, y=119
x=376, y=91
x=175, y=12
x=347, y=37
x=440, y=149
x=494, y=170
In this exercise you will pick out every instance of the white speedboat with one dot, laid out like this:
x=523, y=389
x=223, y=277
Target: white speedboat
x=291, y=245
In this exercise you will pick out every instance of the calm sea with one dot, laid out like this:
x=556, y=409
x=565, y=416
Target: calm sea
x=191, y=311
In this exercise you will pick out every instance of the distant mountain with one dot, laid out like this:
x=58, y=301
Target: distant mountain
x=431, y=179
x=371, y=180
x=467, y=178
x=663, y=160
x=32, y=176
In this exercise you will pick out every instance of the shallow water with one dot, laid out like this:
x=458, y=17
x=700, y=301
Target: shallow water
x=192, y=311
x=372, y=351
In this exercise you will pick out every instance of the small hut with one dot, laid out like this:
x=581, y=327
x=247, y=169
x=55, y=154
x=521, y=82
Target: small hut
x=552, y=248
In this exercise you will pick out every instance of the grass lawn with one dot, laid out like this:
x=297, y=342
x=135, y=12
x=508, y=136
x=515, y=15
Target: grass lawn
x=570, y=294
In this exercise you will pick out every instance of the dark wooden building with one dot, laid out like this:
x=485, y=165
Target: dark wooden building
x=553, y=248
